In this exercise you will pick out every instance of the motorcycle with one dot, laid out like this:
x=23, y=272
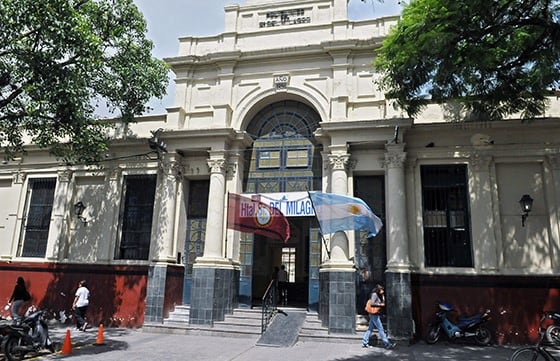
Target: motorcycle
x=466, y=326
x=28, y=335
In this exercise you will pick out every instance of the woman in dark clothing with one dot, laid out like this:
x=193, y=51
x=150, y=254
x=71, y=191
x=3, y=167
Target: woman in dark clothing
x=19, y=297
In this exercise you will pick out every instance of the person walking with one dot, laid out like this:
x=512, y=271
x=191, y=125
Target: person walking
x=80, y=305
x=283, y=285
x=20, y=295
x=377, y=300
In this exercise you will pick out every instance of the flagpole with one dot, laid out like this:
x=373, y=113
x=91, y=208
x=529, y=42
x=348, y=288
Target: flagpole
x=320, y=229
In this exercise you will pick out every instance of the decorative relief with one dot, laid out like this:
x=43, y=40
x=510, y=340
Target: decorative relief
x=339, y=161
x=177, y=170
x=217, y=165
x=394, y=160
x=172, y=168
x=114, y=173
x=64, y=176
x=480, y=162
x=19, y=177
x=231, y=167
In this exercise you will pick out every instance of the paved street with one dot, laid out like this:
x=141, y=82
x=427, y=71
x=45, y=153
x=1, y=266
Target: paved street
x=127, y=344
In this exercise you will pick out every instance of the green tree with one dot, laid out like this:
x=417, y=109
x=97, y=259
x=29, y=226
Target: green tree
x=61, y=62
x=494, y=57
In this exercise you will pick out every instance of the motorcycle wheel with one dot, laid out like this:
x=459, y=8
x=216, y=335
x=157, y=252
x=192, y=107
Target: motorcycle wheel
x=9, y=345
x=553, y=335
x=434, y=332
x=530, y=353
x=483, y=336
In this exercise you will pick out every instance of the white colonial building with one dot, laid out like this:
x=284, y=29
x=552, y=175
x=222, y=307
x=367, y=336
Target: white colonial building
x=285, y=101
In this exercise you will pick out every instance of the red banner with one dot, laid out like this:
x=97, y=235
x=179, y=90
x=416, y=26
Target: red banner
x=251, y=216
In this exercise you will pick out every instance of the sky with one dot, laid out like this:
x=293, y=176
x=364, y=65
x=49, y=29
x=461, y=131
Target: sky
x=170, y=19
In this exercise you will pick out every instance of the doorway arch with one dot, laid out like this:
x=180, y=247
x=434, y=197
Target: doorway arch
x=285, y=158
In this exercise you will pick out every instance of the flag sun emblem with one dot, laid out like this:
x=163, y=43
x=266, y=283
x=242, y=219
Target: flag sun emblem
x=263, y=216
x=354, y=209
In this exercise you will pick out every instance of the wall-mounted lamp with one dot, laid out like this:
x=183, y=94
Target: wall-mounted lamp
x=526, y=203
x=79, y=210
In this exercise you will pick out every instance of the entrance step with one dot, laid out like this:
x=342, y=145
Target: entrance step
x=243, y=322
x=246, y=322
x=312, y=330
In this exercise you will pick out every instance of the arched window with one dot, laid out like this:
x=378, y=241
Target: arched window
x=285, y=156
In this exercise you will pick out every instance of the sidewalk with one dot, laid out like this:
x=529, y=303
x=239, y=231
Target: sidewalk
x=127, y=344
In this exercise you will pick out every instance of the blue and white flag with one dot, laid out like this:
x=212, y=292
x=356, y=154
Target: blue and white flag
x=336, y=212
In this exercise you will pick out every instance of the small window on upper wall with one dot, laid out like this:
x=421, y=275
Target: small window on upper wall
x=297, y=158
x=269, y=159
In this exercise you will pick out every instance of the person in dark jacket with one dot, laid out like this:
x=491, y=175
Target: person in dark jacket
x=19, y=297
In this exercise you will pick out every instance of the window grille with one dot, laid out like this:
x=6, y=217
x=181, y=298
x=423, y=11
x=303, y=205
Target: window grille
x=196, y=222
x=446, y=216
x=37, y=220
x=137, y=214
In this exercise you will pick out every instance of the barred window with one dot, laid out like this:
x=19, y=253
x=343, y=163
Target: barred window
x=446, y=216
x=40, y=196
x=136, y=217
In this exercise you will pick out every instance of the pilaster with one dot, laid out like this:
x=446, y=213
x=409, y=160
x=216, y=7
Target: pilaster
x=399, y=296
x=58, y=229
x=482, y=220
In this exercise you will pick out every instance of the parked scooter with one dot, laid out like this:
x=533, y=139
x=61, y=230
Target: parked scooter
x=29, y=335
x=466, y=327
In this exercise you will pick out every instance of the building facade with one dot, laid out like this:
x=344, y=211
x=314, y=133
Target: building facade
x=284, y=101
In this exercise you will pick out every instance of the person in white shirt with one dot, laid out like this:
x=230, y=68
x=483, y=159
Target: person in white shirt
x=80, y=305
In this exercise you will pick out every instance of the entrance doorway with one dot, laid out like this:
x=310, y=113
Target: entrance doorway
x=295, y=255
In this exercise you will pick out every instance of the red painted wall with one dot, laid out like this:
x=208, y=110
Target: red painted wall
x=118, y=293
x=517, y=302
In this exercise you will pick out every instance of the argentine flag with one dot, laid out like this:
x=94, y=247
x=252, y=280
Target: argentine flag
x=336, y=212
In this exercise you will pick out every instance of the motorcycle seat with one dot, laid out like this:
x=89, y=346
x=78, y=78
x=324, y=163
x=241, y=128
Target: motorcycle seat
x=467, y=319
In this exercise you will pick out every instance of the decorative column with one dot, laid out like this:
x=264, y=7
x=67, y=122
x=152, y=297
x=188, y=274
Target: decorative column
x=397, y=277
x=213, y=274
x=337, y=286
x=163, y=248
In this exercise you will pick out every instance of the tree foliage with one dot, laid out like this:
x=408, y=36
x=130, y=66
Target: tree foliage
x=495, y=57
x=61, y=61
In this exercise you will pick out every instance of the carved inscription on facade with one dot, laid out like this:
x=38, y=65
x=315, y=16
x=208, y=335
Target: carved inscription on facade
x=285, y=17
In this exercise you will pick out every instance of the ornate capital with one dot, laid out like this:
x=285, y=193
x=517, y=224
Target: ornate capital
x=64, y=176
x=177, y=170
x=480, y=162
x=217, y=165
x=172, y=168
x=19, y=177
x=394, y=160
x=113, y=174
x=339, y=161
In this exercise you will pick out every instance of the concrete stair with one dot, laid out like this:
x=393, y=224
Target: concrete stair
x=245, y=322
x=312, y=330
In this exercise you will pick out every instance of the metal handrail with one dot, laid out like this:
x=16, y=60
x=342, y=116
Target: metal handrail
x=268, y=305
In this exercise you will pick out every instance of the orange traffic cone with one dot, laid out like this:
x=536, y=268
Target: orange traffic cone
x=67, y=346
x=99, y=340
